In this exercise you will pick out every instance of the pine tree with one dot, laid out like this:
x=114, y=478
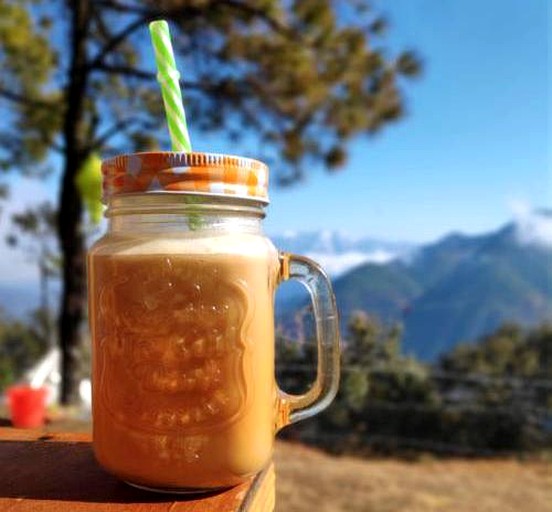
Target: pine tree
x=302, y=77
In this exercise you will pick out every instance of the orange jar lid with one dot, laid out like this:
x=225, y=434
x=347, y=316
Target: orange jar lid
x=197, y=173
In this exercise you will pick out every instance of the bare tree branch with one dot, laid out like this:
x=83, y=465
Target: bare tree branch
x=116, y=41
x=127, y=71
x=25, y=100
x=125, y=8
x=150, y=13
x=131, y=72
x=110, y=132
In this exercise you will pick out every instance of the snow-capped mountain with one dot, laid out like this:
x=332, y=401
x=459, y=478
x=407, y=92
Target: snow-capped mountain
x=457, y=288
x=338, y=252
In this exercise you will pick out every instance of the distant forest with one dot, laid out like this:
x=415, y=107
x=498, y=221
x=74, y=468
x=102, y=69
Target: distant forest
x=489, y=397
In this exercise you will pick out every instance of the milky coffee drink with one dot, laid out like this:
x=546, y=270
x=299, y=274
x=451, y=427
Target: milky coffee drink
x=184, y=359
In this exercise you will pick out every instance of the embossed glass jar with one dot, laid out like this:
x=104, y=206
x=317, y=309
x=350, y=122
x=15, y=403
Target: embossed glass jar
x=181, y=295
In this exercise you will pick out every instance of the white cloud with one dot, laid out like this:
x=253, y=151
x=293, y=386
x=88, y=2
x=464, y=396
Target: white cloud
x=349, y=237
x=336, y=264
x=531, y=227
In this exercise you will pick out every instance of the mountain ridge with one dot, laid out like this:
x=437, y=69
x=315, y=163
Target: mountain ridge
x=469, y=286
x=457, y=288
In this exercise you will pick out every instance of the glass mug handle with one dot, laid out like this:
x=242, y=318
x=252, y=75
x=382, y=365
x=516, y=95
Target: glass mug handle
x=293, y=408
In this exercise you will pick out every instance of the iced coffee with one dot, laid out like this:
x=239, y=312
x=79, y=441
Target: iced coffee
x=181, y=310
x=184, y=359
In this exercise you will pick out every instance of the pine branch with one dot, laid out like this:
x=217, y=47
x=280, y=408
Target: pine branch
x=58, y=148
x=261, y=14
x=181, y=12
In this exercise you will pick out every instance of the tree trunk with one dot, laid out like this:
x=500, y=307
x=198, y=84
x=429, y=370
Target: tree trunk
x=44, y=298
x=73, y=298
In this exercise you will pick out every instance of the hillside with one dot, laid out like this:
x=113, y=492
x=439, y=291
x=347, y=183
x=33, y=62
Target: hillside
x=456, y=289
x=499, y=280
x=384, y=289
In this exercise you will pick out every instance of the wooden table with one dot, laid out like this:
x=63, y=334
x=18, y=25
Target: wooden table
x=45, y=472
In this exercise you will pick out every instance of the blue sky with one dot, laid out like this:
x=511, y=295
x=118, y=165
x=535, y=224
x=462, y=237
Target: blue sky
x=473, y=143
x=474, y=140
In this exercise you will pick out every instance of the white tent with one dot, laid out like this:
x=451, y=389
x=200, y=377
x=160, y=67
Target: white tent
x=47, y=372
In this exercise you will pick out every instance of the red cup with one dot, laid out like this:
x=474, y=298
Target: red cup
x=27, y=406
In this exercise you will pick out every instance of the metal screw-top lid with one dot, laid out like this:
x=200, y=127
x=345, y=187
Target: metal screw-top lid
x=197, y=173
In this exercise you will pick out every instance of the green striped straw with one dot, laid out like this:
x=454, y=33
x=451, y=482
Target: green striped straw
x=168, y=76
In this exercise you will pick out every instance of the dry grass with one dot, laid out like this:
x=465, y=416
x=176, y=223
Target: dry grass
x=310, y=481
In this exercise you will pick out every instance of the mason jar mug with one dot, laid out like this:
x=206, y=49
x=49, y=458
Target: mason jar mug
x=181, y=308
